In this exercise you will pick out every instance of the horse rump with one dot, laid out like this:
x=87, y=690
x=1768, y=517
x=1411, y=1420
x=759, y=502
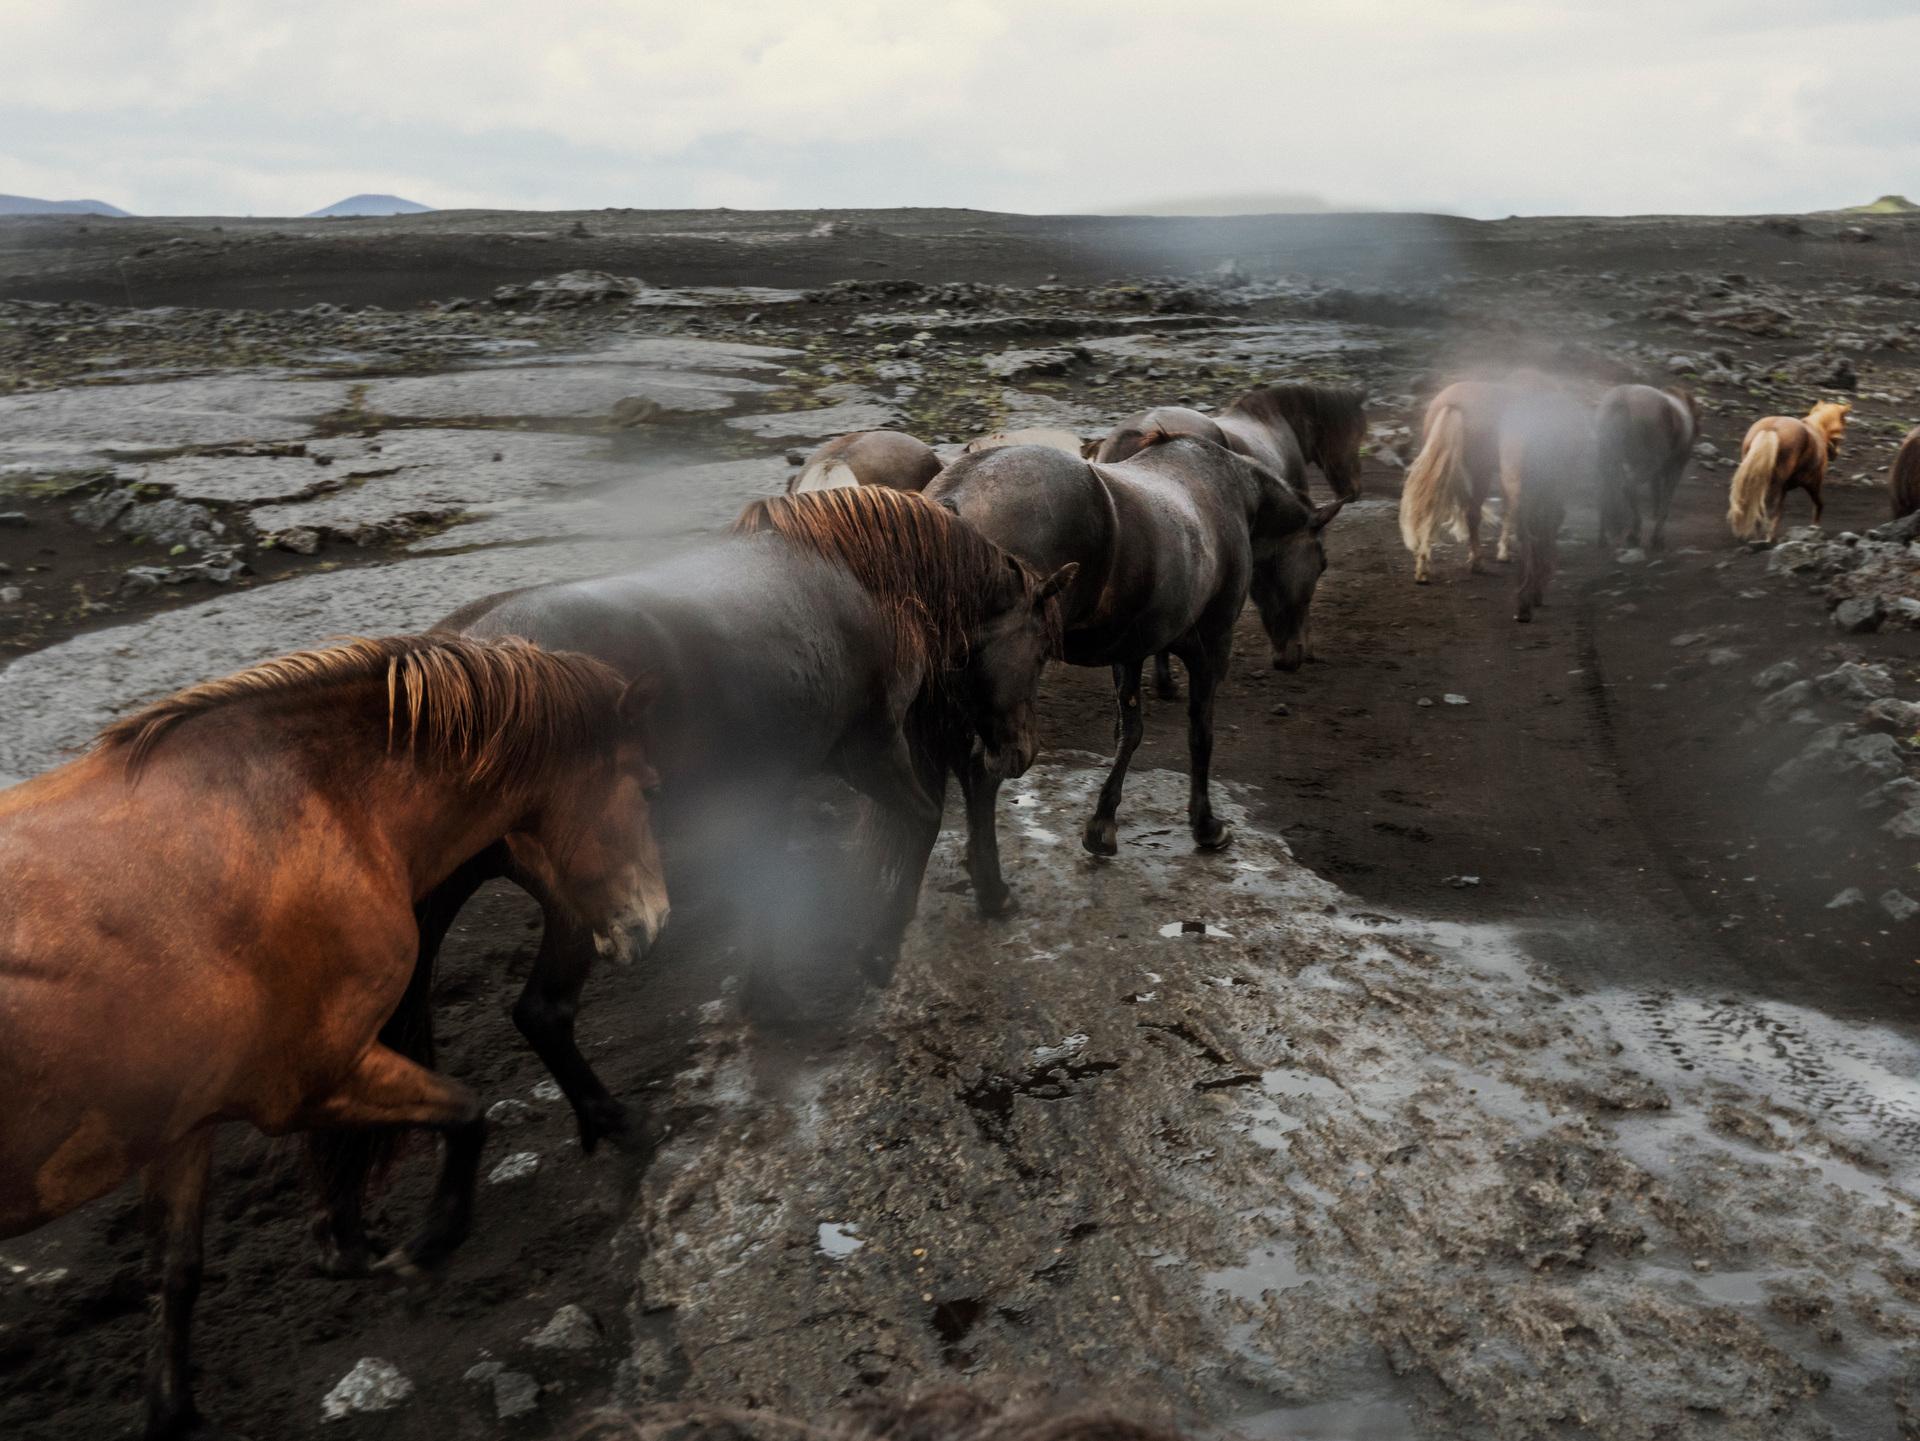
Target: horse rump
x=1904, y=479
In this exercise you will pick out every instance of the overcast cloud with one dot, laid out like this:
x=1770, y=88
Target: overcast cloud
x=1483, y=107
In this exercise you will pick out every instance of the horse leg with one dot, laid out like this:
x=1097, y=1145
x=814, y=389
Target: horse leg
x=343, y=1160
x=981, y=791
x=1102, y=835
x=176, y=1196
x=1210, y=833
x=1163, y=682
x=545, y=1014
x=1777, y=505
x=386, y=1089
x=904, y=778
x=1819, y=502
x=1476, y=564
x=1633, y=514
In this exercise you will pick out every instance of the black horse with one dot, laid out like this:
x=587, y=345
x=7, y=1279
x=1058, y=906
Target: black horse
x=821, y=637
x=1169, y=545
x=1282, y=427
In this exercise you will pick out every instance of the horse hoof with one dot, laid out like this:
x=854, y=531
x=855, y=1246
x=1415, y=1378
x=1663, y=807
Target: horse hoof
x=1213, y=837
x=604, y=1121
x=1166, y=690
x=346, y=1263
x=1523, y=616
x=401, y=1265
x=995, y=902
x=1102, y=837
x=1423, y=580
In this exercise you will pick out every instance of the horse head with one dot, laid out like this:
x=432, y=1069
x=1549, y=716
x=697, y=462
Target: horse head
x=1829, y=420
x=1289, y=557
x=589, y=844
x=998, y=685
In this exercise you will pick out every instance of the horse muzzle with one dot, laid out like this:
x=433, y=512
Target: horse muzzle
x=631, y=934
x=1009, y=763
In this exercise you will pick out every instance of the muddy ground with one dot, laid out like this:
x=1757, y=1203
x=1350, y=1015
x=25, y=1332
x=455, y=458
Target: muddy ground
x=1524, y=1078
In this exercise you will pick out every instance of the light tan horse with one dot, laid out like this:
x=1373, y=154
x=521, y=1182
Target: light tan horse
x=868, y=457
x=1454, y=474
x=1535, y=442
x=1781, y=454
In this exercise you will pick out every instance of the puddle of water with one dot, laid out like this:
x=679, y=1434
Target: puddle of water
x=839, y=1239
x=1269, y=1268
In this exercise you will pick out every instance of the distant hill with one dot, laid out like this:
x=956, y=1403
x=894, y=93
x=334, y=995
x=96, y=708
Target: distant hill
x=1885, y=205
x=371, y=205
x=27, y=205
x=1251, y=203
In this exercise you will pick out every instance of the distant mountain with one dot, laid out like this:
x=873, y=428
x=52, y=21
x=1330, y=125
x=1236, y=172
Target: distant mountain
x=27, y=205
x=1254, y=203
x=371, y=205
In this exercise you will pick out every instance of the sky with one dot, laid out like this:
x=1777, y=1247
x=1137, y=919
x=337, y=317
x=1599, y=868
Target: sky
x=1477, y=107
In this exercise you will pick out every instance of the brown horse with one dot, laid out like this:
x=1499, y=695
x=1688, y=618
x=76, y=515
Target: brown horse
x=1781, y=454
x=868, y=457
x=209, y=916
x=1904, y=479
x=1482, y=433
x=1644, y=438
x=1282, y=427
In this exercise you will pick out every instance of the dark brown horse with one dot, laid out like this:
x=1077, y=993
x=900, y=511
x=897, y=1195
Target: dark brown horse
x=210, y=916
x=1282, y=427
x=1168, y=547
x=841, y=631
x=868, y=457
x=1643, y=440
x=1903, y=480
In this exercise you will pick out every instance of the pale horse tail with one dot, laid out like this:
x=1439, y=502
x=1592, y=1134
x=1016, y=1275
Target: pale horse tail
x=1747, y=500
x=1438, y=489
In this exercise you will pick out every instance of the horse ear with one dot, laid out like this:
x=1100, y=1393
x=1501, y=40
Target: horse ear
x=638, y=698
x=1089, y=449
x=1058, y=581
x=1325, y=514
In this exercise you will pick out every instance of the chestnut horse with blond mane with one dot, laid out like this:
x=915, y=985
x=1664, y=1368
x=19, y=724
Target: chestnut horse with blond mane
x=210, y=916
x=1779, y=454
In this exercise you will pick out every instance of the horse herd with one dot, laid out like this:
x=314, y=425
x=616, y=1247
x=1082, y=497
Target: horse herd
x=247, y=884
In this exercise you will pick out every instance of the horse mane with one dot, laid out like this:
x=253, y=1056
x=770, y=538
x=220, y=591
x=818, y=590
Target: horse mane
x=482, y=708
x=935, y=576
x=1316, y=412
x=1829, y=417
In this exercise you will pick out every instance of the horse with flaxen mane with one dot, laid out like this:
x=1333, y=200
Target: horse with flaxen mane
x=868, y=457
x=210, y=916
x=822, y=637
x=1164, y=549
x=1780, y=454
x=1644, y=438
x=1903, y=480
x=1536, y=444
